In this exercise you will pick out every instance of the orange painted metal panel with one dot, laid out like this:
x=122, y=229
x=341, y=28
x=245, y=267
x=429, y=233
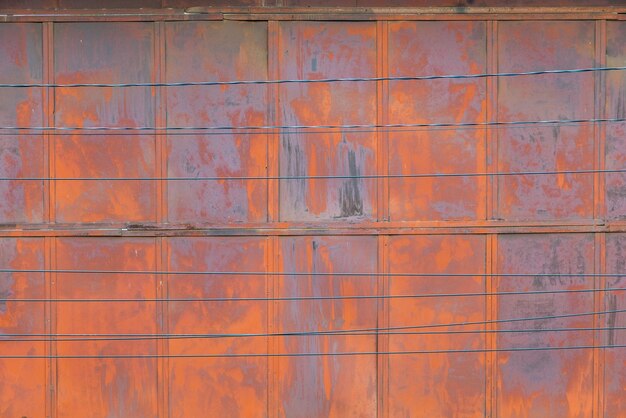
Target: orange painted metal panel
x=530, y=46
x=450, y=385
x=615, y=359
x=616, y=133
x=21, y=155
x=545, y=383
x=327, y=386
x=235, y=387
x=327, y=50
x=200, y=51
x=437, y=48
x=106, y=387
x=108, y=53
x=23, y=381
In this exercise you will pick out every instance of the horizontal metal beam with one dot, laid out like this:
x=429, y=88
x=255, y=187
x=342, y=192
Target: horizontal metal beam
x=298, y=229
x=320, y=13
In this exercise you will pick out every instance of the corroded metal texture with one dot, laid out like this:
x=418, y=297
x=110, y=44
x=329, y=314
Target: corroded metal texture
x=305, y=237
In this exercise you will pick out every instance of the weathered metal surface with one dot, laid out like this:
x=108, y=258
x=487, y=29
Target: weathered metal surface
x=459, y=49
x=615, y=150
x=540, y=224
x=21, y=156
x=232, y=387
x=111, y=53
x=545, y=383
x=328, y=50
x=443, y=384
x=615, y=359
x=327, y=386
x=106, y=387
x=529, y=46
x=23, y=383
x=197, y=51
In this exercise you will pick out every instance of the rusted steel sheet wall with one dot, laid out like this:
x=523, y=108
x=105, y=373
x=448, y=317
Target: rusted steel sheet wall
x=466, y=234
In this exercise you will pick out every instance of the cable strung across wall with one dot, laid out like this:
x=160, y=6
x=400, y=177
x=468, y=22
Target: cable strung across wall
x=306, y=127
x=373, y=331
x=314, y=354
x=330, y=177
x=53, y=131
x=320, y=80
x=308, y=273
x=148, y=337
x=308, y=298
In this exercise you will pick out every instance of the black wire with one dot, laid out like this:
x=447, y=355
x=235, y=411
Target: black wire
x=278, y=127
x=306, y=298
x=287, y=132
x=330, y=177
x=148, y=337
x=329, y=332
x=322, y=80
x=310, y=273
x=320, y=354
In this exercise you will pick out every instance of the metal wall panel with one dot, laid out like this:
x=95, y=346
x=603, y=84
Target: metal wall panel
x=545, y=383
x=198, y=51
x=531, y=46
x=106, y=387
x=615, y=359
x=21, y=155
x=440, y=384
x=110, y=53
x=23, y=384
x=234, y=387
x=326, y=386
x=460, y=48
x=327, y=50
x=615, y=151
x=300, y=238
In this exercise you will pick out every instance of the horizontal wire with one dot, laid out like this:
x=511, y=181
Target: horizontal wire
x=333, y=332
x=318, y=354
x=308, y=273
x=306, y=298
x=320, y=80
x=285, y=131
x=329, y=177
x=148, y=337
x=278, y=127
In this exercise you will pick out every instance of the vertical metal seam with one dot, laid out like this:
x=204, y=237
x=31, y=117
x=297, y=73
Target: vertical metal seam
x=273, y=312
x=493, y=138
x=491, y=212
x=493, y=315
x=160, y=120
x=599, y=212
x=599, y=129
x=273, y=137
x=382, y=117
x=602, y=356
x=273, y=211
x=382, y=321
x=49, y=210
x=45, y=93
x=53, y=328
x=50, y=119
x=160, y=168
x=382, y=209
x=487, y=336
x=48, y=328
x=162, y=255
